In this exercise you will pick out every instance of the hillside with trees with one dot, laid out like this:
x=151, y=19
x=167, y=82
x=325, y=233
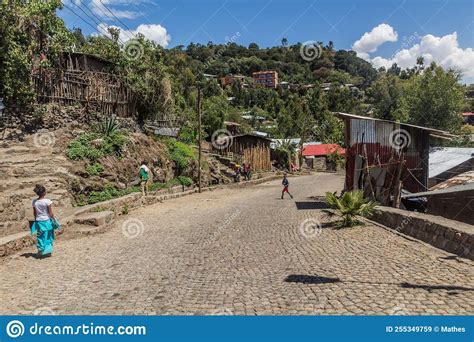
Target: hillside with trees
x=166, y=80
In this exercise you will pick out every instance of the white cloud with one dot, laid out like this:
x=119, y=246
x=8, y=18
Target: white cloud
x=370, y=41
x=153, y=32
x=445, y=51
x=101, y=8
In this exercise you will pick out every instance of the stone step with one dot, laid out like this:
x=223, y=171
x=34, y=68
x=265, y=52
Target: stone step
x=95, y=219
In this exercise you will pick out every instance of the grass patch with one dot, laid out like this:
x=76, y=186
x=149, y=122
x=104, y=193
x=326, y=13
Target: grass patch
x=94, y=169
x=111, y=192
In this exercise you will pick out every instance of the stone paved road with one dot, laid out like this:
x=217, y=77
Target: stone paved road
x=239, y=252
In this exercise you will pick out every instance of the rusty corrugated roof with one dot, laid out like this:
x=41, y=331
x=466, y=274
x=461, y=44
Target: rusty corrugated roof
x=462, y=179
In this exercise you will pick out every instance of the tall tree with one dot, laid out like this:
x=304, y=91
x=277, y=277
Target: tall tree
x=435, y=98
x=386, y=97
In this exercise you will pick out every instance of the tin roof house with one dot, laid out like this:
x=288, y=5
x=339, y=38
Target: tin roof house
x=383, y=157
x=448, y=162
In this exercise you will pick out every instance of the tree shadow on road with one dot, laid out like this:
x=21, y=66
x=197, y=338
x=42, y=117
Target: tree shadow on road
x=311, y=205
x=430, y=288
x=308, y=279
x=311, y=279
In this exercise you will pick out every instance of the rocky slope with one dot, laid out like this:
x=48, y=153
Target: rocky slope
x=41, y=159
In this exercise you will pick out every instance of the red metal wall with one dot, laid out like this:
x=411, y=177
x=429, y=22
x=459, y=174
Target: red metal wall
x=378, y=139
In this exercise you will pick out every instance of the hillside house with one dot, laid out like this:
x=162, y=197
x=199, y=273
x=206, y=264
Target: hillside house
x=267, y=79
x=317, y=157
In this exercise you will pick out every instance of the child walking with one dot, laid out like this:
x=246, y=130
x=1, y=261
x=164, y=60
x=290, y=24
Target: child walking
x=45, y=223
x=285, y=184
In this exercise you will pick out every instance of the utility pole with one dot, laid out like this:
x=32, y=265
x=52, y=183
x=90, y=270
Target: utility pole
x=199, y=137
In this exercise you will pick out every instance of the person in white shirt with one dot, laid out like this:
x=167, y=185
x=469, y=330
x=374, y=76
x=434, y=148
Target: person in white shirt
x=144, y=174
x=45, y=223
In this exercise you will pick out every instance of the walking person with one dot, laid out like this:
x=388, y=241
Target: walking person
x=45, y=223
x=144, y=174
x=285, y=184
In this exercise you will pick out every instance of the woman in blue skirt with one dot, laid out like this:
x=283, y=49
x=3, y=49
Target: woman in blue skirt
x=45, y=223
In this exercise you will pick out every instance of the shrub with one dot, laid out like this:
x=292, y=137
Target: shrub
x=109, y=192
x=336, y=158
x=94, y=169
x=185, y=181
x=348, y=207
x=181, y=154
x=93, y=146
x=125, y=209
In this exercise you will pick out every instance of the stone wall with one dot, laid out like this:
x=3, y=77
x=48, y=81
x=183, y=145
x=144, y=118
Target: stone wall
x=457, y=206
x=451, y=236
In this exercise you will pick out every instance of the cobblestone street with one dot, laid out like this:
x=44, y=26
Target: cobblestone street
x=239, y=251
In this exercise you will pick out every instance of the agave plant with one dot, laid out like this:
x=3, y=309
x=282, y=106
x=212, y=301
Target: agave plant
x=109, y=127
x=348, y=207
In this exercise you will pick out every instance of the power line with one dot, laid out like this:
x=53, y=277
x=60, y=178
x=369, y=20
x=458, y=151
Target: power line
x=88, y=23
x=128, y=31
x=70, y=9
x=99, y=27
x=97, y=22
x=120, y=21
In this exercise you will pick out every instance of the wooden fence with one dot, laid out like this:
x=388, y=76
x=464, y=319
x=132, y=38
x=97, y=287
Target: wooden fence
x=248, y=149
x=98, y=91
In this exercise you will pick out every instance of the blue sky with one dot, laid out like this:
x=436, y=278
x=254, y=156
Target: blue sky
x=396, y=30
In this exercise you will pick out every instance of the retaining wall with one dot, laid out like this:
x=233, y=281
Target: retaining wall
x=452, y=236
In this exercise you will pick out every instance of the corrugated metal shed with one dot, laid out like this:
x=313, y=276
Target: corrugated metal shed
x=381, y=153
x=446, y=158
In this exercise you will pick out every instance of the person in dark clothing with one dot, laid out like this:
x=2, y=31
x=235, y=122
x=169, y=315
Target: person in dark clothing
x=285, y=184
x=247, y=171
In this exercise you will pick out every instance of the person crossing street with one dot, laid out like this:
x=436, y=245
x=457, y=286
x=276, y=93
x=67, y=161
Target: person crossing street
x=285, y=184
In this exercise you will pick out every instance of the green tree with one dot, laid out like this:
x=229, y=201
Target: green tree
x=386, y=97
x=215, y=111
x=435, y=98
x=31, y=37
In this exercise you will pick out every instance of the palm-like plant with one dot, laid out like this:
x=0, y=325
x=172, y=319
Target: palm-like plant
x=109, y=127
x=348, y=207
